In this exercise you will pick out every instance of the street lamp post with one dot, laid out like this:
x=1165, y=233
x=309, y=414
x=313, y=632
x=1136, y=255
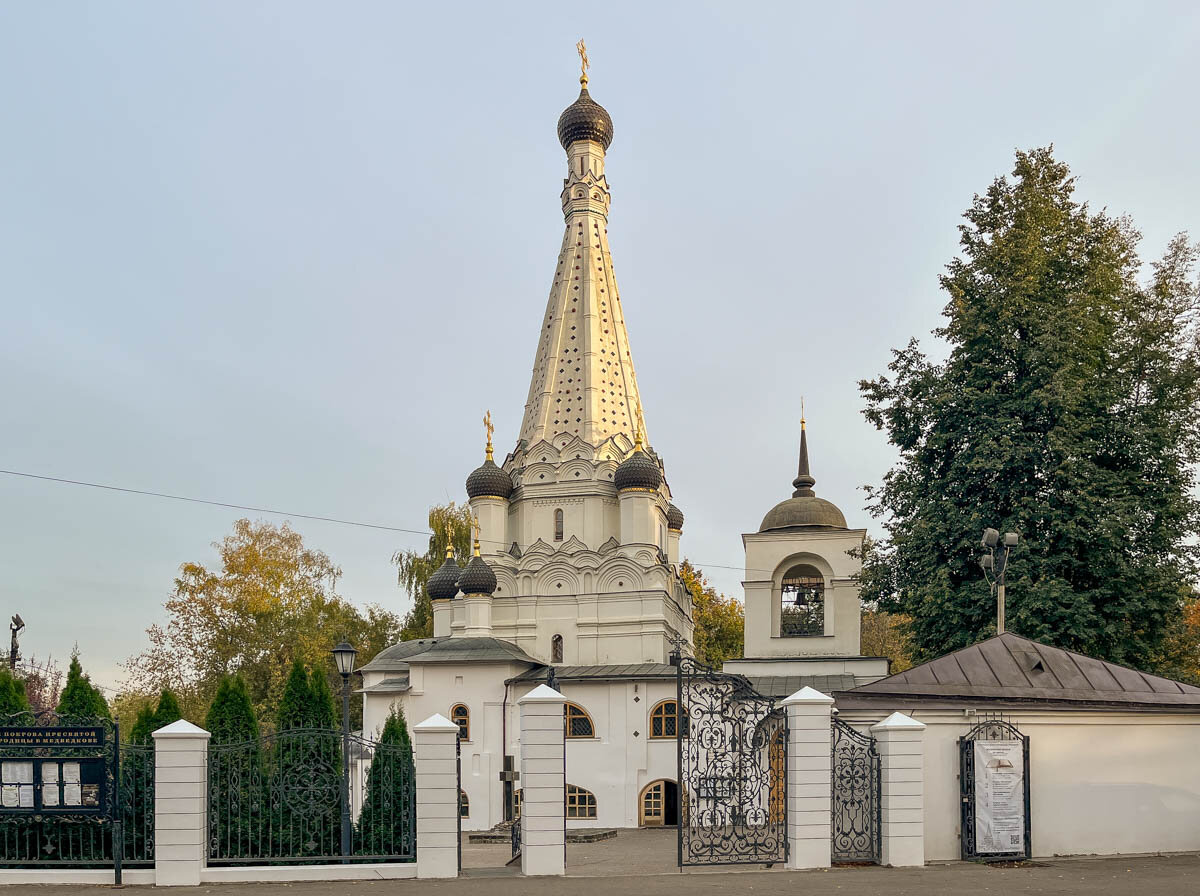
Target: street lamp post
x=991, y=564
x=343, y=655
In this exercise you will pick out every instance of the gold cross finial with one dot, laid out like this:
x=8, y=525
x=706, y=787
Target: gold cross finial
x=487, y=424
x=475, y=522
x=449, y=541
x=584, y=65
x=802, y=412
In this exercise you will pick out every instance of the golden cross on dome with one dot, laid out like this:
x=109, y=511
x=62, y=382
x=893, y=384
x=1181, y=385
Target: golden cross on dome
x=802, y=412
x=476, y=526
x=487, y=424
x=584, y=65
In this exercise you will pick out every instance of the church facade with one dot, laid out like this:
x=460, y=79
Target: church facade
x=575, y=574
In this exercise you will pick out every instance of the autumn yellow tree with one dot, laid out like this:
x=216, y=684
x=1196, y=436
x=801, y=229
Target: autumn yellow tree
x=719, y=620
x=272, y=601
x=449, y=523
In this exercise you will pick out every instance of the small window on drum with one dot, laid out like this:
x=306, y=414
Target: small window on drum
x=580, y=803
x=464, y=804
x=802, y=603
x=556, y=649
x=558, y=525
x=576, y=721
x=461, y=716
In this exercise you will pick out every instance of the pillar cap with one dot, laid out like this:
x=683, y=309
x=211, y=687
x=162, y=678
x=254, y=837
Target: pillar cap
x=542, y=694
x=898, y=721
x=437, y=723
x=808, y=695
x=182, y=728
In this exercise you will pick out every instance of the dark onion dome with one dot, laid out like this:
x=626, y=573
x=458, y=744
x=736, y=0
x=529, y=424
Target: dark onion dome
x=443, y=584
x=585, y=119
x=478, y=577
x=489, y=481
x=674, y=518
x=638, y=471
x=803, y=510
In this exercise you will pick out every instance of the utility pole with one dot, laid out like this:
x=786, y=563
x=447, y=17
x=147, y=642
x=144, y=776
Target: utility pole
x=990, y=563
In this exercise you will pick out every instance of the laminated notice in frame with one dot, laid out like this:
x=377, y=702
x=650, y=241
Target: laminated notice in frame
x=26, y=796
x=8, y=796
x=70, y=771
x=49, y=772
x=72, y=795
x=49, y=795
x=17, y=772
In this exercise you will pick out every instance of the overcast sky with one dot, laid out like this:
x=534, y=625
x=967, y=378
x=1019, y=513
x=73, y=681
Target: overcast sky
x=286, y=254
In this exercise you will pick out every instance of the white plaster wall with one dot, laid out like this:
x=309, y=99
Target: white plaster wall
x=1100, y=783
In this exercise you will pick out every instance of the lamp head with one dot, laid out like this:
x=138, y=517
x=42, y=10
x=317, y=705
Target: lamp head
x=18, y=622
x=1011, y=539
x=986, y=562
x=990, y=538
x=343, y=656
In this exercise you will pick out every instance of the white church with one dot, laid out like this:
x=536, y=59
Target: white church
x=576, y=566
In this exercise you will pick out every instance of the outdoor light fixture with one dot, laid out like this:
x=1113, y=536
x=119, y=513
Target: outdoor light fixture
x=989, y=563
x=344, y=655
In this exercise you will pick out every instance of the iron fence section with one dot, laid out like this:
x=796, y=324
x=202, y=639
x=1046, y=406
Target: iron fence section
x=993, y=727
x=856, y=811
x=278, y=800
x=732, y=752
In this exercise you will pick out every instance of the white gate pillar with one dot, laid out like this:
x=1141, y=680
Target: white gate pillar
x=435, y=755
x=900, y=739
x=543, y=783
x=180, y=790
x=809, y=778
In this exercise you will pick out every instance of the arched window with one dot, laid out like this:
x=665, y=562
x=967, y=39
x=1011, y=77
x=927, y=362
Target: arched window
x=461, y=716
x=577, y=722
x=556, y=649
x=580, y=803
x=802, y=607
x=664, y=720
x=558, y=525
x=464, y=804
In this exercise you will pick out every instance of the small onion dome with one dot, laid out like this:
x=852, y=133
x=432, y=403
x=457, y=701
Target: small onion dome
x=443, y=584
x=674, y=518
x=585, y=119
x=489, y=481
x=639, y=471
x=478, y=577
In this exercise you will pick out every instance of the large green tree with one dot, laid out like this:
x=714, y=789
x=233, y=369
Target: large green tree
x=273, y=600
x=387, y=813
x=1066, y=411
x=720, y=621
x=449, y=523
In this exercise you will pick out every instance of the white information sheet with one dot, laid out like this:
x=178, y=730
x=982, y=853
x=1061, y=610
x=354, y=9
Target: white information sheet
x=8, y=796
x=26, y=796
x=1000, y=796
x=72, y=795
x=17, y=772
x=50, y=795
x=49, y=772
x=70, y=772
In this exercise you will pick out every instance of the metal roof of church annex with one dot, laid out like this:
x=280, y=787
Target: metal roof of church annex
x=1013, y=670
x=447, y=650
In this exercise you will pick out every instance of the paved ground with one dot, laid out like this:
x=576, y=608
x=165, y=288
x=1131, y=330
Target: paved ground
x=605, y=868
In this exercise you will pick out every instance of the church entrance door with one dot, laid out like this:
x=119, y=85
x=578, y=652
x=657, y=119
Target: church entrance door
x=658, y=805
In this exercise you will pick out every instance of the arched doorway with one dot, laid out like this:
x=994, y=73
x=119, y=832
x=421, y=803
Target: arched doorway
x=658, y=804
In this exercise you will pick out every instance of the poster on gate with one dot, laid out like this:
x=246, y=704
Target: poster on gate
x=999, y=797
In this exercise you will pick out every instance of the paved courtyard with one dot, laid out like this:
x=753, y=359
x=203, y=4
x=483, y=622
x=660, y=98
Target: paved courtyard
x=603, y=868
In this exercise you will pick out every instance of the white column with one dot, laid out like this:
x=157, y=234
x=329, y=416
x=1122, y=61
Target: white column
x=901, y=742
x=435, y=754
x=180, y=790
x=809, y=778
x=443, y=616
x=543, y=783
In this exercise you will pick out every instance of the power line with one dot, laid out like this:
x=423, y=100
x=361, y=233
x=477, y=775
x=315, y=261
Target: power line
x=252, y=509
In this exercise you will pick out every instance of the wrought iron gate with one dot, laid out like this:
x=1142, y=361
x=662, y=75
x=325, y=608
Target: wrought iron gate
x=278, y=798
x=732, y=744
x=856, y=821
x=1011, y=836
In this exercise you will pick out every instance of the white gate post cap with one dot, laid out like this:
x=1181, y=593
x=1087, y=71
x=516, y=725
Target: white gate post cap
x=807, y=695
x=182, y=728
x=898, y=721
x=436, y=723
x=542, y=694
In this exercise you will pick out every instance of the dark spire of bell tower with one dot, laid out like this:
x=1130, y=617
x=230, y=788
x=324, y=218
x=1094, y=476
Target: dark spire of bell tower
x=804, y=482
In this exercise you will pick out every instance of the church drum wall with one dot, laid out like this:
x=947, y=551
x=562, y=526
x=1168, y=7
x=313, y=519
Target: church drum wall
x=1102, y=783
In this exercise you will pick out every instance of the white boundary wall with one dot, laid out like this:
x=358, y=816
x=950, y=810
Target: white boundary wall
x=1101, y=783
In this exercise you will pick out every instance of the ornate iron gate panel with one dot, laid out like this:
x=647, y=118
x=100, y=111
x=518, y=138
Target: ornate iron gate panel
x=732, y=744
x=856, y=826
x=278, y=798
x=1007, y=832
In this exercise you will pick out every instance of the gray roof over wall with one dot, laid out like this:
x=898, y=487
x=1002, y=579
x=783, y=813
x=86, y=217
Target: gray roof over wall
x=603, y=672
x=447, y=650
x=786, y=685
x=1015, y=670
